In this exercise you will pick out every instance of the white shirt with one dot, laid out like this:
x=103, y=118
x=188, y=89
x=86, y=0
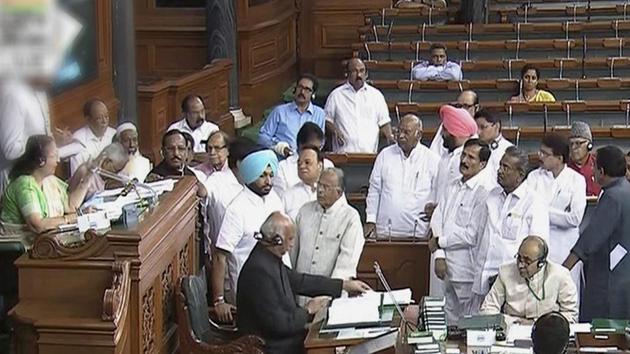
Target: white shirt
x=244, y=217
x=508, y=220
x=424, y=71
x=399, y=189
x=514, y=297
x=287, y=175
x=329, y=242
x=458, y=224
x=495, y=157
x=138, y=167
x=295, y=197
x=222, y=187
x=200, y=135
x=437, y=144
x=565, y=196
x=92, y=145
x=448, y=171
x=358, y=115
x=23, y=112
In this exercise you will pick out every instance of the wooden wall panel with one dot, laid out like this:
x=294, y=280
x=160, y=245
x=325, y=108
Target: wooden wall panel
x=67, y=107
x=170, y=42
x=159, y=103
x=267, y=53
x=327, y=28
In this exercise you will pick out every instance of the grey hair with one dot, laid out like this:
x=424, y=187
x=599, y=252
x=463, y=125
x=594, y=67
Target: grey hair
x=115, y=152
x=543, y=248
x=272, y=227
x=521, y=156
x=415, y=119
x=341, y=178
x=224, y=135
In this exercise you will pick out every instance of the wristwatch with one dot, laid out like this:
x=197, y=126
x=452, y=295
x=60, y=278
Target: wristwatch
x=219, y=300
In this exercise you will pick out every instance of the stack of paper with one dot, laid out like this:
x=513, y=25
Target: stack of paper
x=433, y=316
x=366, y=308
x=425, y=343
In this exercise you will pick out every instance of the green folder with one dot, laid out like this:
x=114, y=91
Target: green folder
x=608, y=325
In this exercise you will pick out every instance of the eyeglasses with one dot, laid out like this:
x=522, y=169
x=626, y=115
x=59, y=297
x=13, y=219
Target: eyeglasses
x=577, y=143
x=463, y=105
x=524, y=260
x=304, y=88
x=215, y=148
x=543, y=153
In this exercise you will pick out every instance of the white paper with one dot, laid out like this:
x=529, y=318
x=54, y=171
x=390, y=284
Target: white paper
x=519, y=332
x=579, y=328
x=616, y=256
x=364, y=308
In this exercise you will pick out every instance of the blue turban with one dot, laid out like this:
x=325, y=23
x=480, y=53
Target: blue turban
x=254, y=164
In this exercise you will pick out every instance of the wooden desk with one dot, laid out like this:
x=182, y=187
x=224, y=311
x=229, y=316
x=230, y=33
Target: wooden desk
x=110, y=293
x=405, y=264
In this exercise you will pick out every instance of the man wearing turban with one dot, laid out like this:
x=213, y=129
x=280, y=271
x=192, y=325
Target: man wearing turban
x=243, y=218
x=458, y=126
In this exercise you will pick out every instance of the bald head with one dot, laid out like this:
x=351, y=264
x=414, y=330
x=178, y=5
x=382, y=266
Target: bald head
x=280, y=224
x=409, y=132
x=356, y=73
x=469, y=100
x=531, y=256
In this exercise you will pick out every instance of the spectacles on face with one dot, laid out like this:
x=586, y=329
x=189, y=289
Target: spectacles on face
x=215, y=148
x=304, y=88
x=574, y=143
x=463, y=105
x=544, y=154
x=525, y=260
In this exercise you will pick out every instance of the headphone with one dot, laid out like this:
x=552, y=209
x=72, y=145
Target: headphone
x=276, y=240
x=494, y=145
x=542, y=260
x=589, y=146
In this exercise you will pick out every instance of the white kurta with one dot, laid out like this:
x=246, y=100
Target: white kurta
x=200, y=135
x=457, y=223
x=296, y=196
x=244, y=217
x=495, y=158
x=566, y=198
x=138, y=167
x=508, y=220
x=399, y=189
x=437, y=144
x=358, y=115
x=23, y=112
x=448, y=171
x=222, y=187
x=329, y=242
x=512, y=296
x=92, y=145
x=287, y=175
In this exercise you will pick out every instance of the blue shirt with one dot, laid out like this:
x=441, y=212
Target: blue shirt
x=285, y=121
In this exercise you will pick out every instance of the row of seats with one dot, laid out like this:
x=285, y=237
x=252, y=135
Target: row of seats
x=493, y=49
x=510, y=68
x=503, y=14
x=495, y=31
x=498, y=90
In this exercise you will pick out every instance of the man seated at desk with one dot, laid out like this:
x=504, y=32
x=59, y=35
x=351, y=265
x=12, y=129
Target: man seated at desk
x=112, y=159
x=267, y=290
x=532, y=286
x=138, y=166
x=439, y=68
x=94, y=136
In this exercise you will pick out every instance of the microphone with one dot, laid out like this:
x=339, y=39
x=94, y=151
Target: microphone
x=388, y=289
x=130, y=184
x=389, y=229
x=415, y=226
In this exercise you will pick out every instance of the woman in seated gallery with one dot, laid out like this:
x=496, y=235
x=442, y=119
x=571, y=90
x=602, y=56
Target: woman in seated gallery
x=36, y=200
x=528, y=87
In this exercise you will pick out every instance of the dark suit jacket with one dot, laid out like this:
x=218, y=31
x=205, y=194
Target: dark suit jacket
x=266, y=301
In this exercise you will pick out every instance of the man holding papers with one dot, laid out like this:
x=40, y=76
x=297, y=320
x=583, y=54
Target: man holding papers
x=267, y=290
x=604, y=244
